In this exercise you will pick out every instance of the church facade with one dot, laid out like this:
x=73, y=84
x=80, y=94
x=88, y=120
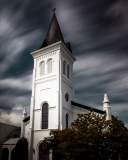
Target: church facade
x=52, y=105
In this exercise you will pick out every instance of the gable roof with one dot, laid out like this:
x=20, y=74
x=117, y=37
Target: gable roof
x=87, y=107
x=8, y=131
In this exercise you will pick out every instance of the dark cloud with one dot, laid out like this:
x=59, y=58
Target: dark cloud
x=98, y=31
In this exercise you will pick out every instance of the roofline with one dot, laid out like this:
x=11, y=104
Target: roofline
x=87, y=107
x=45, y=48
x=11, y=125
x=58, y=44
x=26, y=119
x=7, y=144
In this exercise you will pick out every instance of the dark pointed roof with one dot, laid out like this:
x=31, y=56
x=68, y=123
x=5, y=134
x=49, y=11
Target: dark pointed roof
x=54, y=34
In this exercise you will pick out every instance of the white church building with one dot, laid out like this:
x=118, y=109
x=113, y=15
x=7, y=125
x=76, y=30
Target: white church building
x=52, y=105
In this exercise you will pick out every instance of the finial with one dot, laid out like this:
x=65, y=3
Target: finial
x=106, y=99
x=54, y=10
x=24, y=112
x=106, y=107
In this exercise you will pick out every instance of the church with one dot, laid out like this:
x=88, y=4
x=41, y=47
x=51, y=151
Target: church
x=52, y=105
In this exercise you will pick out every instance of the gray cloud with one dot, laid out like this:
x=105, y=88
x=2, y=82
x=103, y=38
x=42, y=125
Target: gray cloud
x=13, y=117
x=96, y=74
x=98, y=33
x=20, y=83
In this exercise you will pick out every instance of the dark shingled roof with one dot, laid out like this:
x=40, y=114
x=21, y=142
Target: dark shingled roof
x=54, y=34
x=26, y=119
x=8, y=131
x=87, y=108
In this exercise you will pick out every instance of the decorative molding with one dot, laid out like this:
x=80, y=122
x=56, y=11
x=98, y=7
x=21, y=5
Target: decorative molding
x=46, y=78
x=50, y=107
x=39, y=130
x=44, y=89
x=51, y=48
x=38, y=109
x=46, y=55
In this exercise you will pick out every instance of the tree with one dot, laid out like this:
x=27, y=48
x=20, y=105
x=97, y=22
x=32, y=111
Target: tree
x=20, y=152
x=91, y=137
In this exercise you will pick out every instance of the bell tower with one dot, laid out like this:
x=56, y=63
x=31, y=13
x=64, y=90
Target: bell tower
x=52, y=89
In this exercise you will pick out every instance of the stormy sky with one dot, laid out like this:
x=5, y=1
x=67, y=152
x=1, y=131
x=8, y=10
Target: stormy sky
x=98, y=32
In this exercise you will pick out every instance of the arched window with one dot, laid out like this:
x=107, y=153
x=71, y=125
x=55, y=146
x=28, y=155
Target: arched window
x=43, y=151
x=64, y=67
x=67, y=120
x=42, y=68
x=5, y=154
x=45, y=116
x=68, y=71
x=49, y=65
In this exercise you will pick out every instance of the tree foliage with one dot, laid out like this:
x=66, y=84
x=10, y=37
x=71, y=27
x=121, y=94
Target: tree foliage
x=91, y=137
x=20, y=152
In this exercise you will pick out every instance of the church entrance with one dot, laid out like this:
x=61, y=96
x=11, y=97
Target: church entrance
x=43, y=151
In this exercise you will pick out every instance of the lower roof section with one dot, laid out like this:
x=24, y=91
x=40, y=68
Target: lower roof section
x=87, y=107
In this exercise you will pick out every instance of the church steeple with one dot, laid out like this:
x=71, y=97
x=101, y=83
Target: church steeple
x=54, y=33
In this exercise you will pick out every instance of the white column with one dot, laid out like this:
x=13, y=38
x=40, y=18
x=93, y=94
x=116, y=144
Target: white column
x=106, y=107
x=60, y=93
x=32, y=114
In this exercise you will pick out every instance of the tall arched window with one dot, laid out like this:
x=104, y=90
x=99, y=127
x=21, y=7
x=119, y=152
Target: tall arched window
x=42, y=67
x=49, y=65
x=64, y=67
x=67, y=120
x=45, y=116
x=68, y=71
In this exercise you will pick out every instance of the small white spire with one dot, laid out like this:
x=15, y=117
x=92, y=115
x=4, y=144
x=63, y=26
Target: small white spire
x=106, y=98
x=24, y=113
x=106, y=107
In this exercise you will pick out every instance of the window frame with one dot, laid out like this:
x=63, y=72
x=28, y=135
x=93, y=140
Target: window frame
x=49, y=65
x=44, y=116
x=42, y=67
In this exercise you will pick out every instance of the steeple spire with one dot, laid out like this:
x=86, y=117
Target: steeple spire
x=106, y=107
x=54, y=33
x=106, y=99
x=24, y=113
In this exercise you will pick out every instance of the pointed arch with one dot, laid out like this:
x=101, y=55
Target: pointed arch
x=44, y=123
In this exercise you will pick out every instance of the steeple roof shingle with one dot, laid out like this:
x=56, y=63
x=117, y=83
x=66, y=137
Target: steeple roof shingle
x=54, y=33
